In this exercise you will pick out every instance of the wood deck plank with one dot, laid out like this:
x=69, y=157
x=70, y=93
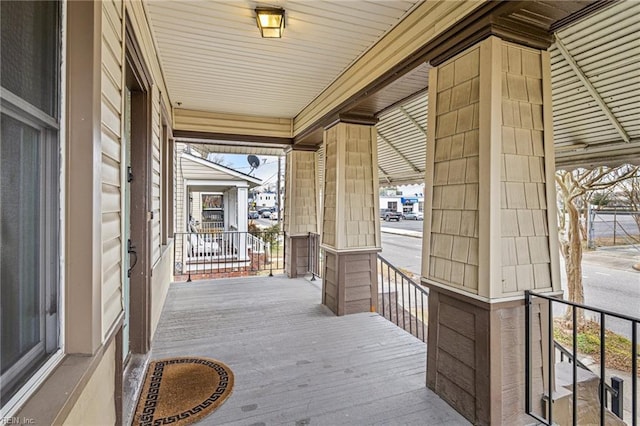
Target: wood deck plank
x=294, y=361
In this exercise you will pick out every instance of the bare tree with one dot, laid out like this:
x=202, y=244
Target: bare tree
x=629, y=191
x=218, y=159
x=207, y=151
x=572, y=188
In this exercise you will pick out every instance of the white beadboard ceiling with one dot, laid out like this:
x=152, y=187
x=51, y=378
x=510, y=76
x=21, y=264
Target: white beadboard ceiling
x=214, y=59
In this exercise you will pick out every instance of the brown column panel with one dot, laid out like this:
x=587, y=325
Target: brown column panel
x=350, y=283
x=475, y=356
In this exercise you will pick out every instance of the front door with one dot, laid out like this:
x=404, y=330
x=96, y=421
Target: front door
x=129, y=251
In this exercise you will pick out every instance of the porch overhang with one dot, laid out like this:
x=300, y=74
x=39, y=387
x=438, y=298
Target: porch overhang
x=389, y=80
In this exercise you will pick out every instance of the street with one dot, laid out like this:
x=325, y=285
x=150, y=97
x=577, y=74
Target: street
x=603, y=225
x=611, y=289
x=411, y=225
x=614, y=288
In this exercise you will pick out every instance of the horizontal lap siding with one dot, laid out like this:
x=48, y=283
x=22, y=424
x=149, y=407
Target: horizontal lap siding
x=156, y=240
x=111, y=86
x=358, y=270
x=330, y=282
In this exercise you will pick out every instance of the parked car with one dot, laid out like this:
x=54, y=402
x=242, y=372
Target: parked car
x=414, y=216
x=253, y=214
x=265, y=211
x=274, y=216
x=388, y=215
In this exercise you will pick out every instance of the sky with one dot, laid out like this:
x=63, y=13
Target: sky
x=267, y=172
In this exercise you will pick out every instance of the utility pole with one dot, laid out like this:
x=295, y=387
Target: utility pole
x=278, y=192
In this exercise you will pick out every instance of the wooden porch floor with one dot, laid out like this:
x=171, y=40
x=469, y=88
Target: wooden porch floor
x=294, y=361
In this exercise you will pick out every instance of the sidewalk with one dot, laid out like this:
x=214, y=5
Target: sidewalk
x=415, y=234
x=617, y=257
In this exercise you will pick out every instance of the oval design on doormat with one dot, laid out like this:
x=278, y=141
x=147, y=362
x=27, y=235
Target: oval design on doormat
x=182, y=390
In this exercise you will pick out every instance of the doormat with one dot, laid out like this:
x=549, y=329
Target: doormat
x=180, y=391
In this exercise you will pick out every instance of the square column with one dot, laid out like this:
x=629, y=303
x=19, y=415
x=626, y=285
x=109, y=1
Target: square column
x=300, y=211
x=351, y=224
x=491, y=232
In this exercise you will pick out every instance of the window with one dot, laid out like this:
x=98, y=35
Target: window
x=29, y=189
x=392, y=205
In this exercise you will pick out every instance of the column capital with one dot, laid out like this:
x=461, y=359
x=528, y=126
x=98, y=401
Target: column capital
x=350, y=118
x=493, y=19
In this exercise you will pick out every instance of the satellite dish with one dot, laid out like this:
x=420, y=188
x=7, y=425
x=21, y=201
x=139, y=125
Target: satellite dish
x=254, y=162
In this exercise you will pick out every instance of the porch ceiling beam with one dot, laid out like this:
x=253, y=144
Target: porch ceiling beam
x=400, y=154
x=413, y=120
x=591, y=89
x=385, y=174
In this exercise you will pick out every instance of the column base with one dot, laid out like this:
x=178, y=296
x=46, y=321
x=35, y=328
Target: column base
x=476, y=356
x=297, y=256
x=350, y=281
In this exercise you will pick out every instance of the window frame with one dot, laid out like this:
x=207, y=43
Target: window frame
x=51, y=130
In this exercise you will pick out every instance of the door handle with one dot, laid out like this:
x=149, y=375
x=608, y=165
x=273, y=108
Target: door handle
x=131, y=250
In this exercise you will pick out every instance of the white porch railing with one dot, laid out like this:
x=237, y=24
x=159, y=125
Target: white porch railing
x=257, y=245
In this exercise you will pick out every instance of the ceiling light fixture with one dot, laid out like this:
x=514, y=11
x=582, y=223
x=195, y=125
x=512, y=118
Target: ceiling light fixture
x=270, y=21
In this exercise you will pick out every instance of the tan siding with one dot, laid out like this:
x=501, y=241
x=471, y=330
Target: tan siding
x=330, y=186
x=110, y=116
x=111, y=174
x=155, y=178
x=232, y=124
x=360, y=189
x=300, y=194
x=110, y=171
x=110, y=145
x=525, y=248
x=454, y=231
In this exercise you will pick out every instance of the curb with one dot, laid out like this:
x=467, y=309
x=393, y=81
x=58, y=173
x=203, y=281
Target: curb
x=414, y=234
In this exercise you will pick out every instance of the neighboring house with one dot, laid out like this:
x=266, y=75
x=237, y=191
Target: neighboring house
x=211, y=213
x=215, y=196
x=266, y=199
x=403, y=204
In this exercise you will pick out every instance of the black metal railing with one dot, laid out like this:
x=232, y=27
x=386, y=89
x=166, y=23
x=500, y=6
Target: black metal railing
x=228, y=253
x=605, y=391
x=401, y=300
x=315, y=256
